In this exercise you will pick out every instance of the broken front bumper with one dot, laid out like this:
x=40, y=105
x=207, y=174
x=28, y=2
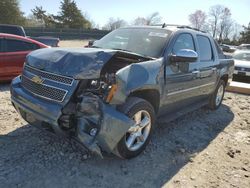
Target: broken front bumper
x=110, y=124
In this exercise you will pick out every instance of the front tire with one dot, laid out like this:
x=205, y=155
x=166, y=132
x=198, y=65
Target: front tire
x=137, y=137
x=217, y=97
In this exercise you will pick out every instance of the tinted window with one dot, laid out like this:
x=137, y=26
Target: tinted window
x=11, y=30
x=219, y=50
x=184, y=41
x=1, y=45
x=205, y=48
x=13, y=45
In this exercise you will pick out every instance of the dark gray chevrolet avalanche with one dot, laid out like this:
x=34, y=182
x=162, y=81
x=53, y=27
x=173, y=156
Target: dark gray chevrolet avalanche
x=107, y=97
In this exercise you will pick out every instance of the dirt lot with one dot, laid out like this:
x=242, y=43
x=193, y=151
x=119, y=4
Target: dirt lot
x=201, y=149
x=73, y=43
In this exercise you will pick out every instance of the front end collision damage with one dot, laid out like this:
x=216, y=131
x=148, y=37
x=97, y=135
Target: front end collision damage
x=92, y=119
x=99, y=124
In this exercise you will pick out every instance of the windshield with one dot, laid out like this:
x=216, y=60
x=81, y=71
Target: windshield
x=242, y=56
x=144, y=41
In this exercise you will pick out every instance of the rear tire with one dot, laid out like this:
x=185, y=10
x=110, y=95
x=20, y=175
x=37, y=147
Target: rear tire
x=217, y=97
x=138, y=136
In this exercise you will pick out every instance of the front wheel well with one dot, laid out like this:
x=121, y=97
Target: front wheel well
x=225, y=78
x=150, y=95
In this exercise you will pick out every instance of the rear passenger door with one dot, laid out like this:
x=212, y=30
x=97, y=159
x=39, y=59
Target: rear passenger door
x=206, y=65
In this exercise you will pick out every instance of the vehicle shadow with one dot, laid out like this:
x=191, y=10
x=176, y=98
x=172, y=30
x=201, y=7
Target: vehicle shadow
x=4, y=86
x=30, y=157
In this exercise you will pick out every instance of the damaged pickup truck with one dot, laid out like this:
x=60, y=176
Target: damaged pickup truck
x=107, y=96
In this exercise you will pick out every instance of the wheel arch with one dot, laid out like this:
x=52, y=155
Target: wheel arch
x=224, y=78
x=150, y=95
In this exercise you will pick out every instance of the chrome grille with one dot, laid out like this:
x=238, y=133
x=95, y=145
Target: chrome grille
x=43, y=91
x=51, y=76
x=242, y=69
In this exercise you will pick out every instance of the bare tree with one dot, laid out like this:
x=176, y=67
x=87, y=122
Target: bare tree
x=151, y=19
x=225, y=24
x=198, y=19
x=235, y=33
x=215, y=13
x=140, y=21
x=113, y=24
x=42, y=16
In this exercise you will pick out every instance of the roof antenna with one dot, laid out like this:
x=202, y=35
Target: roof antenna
x=163, y=25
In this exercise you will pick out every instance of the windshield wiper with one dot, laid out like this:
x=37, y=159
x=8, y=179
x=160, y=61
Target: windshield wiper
x=122, y=50
x=145, y=56
x=95, y=47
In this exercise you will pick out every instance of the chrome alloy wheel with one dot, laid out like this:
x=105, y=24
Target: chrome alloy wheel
x=219, y=95
x=139, y=132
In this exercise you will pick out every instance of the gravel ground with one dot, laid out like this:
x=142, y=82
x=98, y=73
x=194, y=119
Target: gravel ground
x=201, y=149
x=73, y=43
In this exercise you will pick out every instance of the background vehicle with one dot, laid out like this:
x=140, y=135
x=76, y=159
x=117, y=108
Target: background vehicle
x=109, y=96
x=244, y=47
x=13, y=51
x=242, y=65
x=18, y=30
x=228, y=48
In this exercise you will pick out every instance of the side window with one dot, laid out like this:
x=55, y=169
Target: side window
x=205, y=48
x=184, y=41
x=13, y=45
x=1, y=44
x=219, y=50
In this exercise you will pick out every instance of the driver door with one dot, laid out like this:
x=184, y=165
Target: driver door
x=181, y=78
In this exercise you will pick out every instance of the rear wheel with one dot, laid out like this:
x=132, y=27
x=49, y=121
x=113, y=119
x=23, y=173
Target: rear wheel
x=138, y=136
x=217, y=97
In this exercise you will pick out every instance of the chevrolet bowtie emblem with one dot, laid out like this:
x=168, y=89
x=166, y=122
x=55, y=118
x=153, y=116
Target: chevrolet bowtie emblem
x=37, y=80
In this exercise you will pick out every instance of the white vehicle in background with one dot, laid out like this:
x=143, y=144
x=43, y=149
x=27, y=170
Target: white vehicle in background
x=241, y=64
x=244, y=47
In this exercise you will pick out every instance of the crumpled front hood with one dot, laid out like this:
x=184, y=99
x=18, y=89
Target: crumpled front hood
x=80, y=63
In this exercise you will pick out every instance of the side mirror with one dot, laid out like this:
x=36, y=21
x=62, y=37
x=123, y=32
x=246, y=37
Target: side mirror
x=184, y=55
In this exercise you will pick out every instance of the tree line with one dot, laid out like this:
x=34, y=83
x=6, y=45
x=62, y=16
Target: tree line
x=70, y=16
x=217, y=20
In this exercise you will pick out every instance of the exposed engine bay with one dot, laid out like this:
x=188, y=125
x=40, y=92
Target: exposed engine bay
x=100, y=89
x=103, y=85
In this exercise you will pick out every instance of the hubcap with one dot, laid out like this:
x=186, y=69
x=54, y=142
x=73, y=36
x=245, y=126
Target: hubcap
x=139, y=132
x=219, y=95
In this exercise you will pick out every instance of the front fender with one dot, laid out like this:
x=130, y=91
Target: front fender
x=138, y=76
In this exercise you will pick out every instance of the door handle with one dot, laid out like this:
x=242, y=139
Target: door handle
x=196, y=72
x=214, y=69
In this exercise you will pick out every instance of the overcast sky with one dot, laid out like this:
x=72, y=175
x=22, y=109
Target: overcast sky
x=172, y=11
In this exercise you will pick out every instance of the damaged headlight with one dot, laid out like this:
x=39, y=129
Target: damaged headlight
x=104, y=87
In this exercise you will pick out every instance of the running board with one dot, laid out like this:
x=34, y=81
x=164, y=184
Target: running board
x=174, y=115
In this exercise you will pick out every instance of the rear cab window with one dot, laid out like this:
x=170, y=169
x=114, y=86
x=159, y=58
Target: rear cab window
x=219, y=50
x=205, y=48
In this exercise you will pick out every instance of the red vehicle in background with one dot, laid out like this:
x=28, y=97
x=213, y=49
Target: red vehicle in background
x=13, y=51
